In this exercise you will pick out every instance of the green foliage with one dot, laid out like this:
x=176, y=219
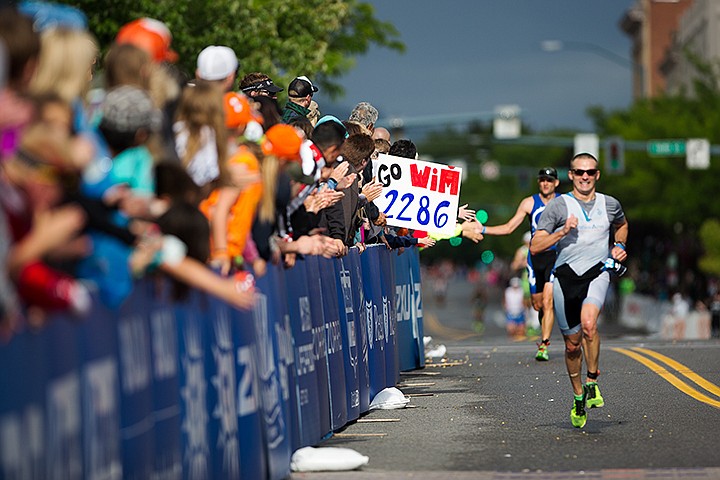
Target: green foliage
x=710, y=237
x=282, y=38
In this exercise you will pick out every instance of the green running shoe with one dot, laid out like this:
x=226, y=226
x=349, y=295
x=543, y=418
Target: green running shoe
x=578, y=416
x=542, y=353
x=592, y=392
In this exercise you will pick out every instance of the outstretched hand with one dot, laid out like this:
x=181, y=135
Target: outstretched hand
x=472, y=230
x=465, y=213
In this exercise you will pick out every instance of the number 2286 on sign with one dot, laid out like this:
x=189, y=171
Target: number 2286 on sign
x=418, y=195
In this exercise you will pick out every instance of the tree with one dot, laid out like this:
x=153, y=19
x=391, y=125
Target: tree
x=710, y=237
x=282, y=38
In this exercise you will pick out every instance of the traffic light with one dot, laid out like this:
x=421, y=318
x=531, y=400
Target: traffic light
x=615, y=155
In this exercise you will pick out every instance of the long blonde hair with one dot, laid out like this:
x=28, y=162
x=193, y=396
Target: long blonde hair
x=201, y=106
x=65, y=63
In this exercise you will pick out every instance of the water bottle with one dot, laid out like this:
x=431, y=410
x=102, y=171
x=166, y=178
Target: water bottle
x=614, y=267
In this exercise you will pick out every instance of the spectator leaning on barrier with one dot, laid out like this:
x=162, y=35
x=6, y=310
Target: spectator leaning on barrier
x=300, y=94
x=128, y=117
x=231, y=207
x=338, y=219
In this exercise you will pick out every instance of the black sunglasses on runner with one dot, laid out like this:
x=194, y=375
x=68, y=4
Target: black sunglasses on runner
x=580, y=172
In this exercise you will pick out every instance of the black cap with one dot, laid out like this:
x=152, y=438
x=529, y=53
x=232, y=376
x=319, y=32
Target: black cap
x=301, y=87
x=548, y=172
x=264, y=85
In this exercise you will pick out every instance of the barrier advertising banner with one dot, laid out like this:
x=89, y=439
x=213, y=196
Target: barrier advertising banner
x=189, y=387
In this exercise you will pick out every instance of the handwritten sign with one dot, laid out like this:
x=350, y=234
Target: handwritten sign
x=418, y=195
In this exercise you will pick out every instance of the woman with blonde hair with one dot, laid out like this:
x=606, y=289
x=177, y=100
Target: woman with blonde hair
x=65, y=69
x=65, y=65
x=200, y=133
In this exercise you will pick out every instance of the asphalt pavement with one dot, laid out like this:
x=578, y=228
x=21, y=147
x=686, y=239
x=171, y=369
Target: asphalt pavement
x=488, y=410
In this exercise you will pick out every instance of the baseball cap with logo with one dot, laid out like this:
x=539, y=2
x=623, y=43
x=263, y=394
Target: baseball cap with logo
x=267, y=85
x=301, y=87
x=150, y=35
x=238, y=110
x=548, y=172
x=216, y=62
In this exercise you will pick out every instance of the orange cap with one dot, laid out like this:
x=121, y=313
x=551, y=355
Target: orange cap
x=238, y=110
x=282, y=141
x=151, y=35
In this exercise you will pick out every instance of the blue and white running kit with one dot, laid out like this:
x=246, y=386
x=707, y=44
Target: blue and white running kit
x=540, y=265
x=579, y=274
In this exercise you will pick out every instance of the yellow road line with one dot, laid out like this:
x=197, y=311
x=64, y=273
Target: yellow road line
x=669, y=377
x=432, y=325
x=682, y=370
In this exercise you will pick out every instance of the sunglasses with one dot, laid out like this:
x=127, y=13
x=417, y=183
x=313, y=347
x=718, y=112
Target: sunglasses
x=580, y=172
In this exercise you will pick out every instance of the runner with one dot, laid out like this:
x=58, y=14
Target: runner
x=539, y=267
x=580, y=223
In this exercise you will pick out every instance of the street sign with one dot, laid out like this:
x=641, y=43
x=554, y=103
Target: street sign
x=698, y=154
x=507, y=124
x=666, y=148
x=587, y=143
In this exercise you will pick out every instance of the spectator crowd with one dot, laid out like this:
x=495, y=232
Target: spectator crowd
x=205, y=180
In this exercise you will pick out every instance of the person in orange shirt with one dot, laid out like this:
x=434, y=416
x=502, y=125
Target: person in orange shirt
x=231, y=207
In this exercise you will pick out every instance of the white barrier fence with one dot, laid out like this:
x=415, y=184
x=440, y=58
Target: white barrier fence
x=642, y=312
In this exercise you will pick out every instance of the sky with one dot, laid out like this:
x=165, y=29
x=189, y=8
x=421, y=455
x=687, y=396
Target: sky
x=468, y=56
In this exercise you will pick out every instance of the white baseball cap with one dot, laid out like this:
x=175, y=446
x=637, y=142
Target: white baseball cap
x=216, y=62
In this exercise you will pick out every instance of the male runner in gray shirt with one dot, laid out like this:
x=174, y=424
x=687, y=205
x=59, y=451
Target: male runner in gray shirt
x=580, y=223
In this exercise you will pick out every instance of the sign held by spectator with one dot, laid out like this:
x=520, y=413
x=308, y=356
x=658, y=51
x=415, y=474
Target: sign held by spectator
x=418, y=195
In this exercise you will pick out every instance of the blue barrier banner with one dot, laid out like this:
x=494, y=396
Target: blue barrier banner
x=253, y=457
x=166, y=383
x=193, y=388
x=417, y=316
x=407, y=341
x=100, y=391
x=333, y=343
x=22, y=407
x=268, y=316
x=370, y=262
x=63, y=424
x=389, y=319
x=346, y=304
x=194, y=414
x=136, y=412
x=312, y=271
x=307, y=394
x=221, y=392
x=286, y=359
x=361, y=329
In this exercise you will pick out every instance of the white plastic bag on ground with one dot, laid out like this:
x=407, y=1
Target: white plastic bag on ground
x=326, y=459
x=388, y=399
x=436, y=352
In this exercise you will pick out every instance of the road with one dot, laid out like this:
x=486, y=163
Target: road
x=493, y=412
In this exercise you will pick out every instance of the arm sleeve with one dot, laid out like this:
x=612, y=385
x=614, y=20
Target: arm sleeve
x=554, y=215
x=396, y=241
x=614, y=210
